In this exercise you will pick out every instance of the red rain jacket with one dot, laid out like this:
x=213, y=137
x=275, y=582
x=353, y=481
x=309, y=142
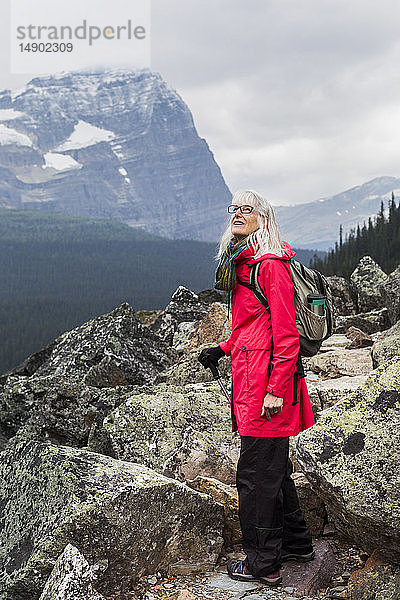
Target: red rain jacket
x=249, y=346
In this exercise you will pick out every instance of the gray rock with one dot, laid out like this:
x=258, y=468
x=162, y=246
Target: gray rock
x=311, y=504
x=387, y=346
x=188, y=370
x=123, y=513
x=71, y=578
x=367, y=278
x=224, y=582
x=185, y=307
x=307, y=578
x=112, y=349
x=341, y=362
x=344, y=295
x=369, y=322
x=350, y=458
x=325, y=393
x=179, y=431
x=390, y=290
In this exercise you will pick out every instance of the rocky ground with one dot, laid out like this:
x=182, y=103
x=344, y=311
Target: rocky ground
x=117, y=464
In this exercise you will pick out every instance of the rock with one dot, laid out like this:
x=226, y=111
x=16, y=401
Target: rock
x=358, y=338
x=390, y=290
x=224, y=582
x=228, y=497
x=123, y=513
x=336, y=363
x=112, y=349
x=367, y=278
x=189, y=370
x=185, y=307
x=387, y=346
x=375, y=581
x=53, y=409
x=312, y=506
x=344, y=295
x=307, y=578
x=350, y=458
x=325, y=393
x=210, y=296
x=335, y=341
x=71, y=578
x=148, y=317
x=212, y=329
x=181, y=431
x=369, y=322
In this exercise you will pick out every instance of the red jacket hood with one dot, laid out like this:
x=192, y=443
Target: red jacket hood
x=287, y=253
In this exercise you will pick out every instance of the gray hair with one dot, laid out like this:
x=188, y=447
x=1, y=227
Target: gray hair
x=267, y=238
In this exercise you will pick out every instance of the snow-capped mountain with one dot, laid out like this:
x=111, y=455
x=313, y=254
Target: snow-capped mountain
x=112, y=144
x=316, y=224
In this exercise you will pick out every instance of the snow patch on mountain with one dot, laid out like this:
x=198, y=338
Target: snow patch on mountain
x=60, y=162
x=7, y=114
x=11, y=136
x=85, y=135
x=122, y=171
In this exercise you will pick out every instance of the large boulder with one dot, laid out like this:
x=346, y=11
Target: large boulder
x=181, y=314
x=369, y=322
x=120, y=514
x=180, y=431
x=390, y=290
x=325, y=393
x=112, y=349
x=351, y=459
x=341, y=362
x=367, y=278
x=53, y=409
x=387, y=346
x=377, y=580
x=344, y=295
x=72, y=578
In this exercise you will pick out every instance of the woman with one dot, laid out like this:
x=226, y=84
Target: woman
x=266, y=407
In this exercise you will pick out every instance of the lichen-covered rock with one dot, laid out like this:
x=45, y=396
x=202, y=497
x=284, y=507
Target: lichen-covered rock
x=358, y=339
x=185, y=307
x=179, y=431
x=340, y=362
x=53, y=409
x=123, y=513
x=377, y=580
x=344, y=295
x=112, y=349
x=367, y=278
x=387, y=346
x=72, y=578
x=351, y=459
x=212, y=329
x=390, y=290
x=189, y=370
x=325, y=393
x=312, y=506
x=369, y=322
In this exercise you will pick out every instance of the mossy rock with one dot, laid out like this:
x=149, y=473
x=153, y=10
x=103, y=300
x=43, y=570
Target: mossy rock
x=351, y=459
x=123, y=513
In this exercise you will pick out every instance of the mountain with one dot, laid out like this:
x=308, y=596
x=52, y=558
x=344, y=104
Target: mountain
x=112, y=144
x=316, y=224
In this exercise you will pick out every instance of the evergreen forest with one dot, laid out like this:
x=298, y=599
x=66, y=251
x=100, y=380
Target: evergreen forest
x=380, y=239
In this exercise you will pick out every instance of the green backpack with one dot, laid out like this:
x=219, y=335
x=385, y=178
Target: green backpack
x=312, y=302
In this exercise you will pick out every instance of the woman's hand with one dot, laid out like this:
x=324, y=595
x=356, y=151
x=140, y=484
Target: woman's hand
x=271, y=406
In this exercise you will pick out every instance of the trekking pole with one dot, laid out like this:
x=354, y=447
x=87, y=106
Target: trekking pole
x=217, y=377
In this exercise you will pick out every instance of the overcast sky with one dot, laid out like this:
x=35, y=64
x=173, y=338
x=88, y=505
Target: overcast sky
x=298, y=99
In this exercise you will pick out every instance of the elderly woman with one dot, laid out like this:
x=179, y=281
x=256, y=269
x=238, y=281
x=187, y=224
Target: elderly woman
x=267, y=407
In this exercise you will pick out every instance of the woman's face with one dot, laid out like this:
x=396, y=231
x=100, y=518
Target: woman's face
x=243, y=224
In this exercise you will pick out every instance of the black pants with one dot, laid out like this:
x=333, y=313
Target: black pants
x=269, y=511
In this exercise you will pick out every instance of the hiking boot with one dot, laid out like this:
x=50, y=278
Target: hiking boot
x=272, y=579
x=297, y=556
x=238, y=569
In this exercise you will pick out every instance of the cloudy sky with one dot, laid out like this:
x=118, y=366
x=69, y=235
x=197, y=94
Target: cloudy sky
x=299, y=99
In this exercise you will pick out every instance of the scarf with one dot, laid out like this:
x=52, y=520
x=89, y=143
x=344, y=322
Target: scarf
x=225, y=277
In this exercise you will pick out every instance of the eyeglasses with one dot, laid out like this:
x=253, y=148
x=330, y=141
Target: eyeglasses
x=245, y=209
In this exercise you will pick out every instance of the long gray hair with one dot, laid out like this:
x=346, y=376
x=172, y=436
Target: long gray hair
x=267, y=238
